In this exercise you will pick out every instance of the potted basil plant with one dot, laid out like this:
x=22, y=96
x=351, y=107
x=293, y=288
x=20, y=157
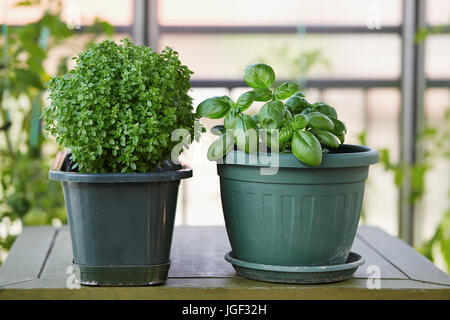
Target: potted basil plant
x=297, y=222
x=116, y=111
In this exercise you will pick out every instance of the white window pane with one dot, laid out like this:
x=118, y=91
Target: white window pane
x=225, y=55
x=437, y=51
x=438, y=12
x=383, y=113
x=116, y=12
x=280, y=12
x=201, y=193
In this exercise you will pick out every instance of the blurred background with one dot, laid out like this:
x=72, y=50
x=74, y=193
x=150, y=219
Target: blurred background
x=383, y=64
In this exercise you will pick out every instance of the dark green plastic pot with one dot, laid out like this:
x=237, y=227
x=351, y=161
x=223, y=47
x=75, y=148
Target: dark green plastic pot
x=300, y=216
x=121, y=224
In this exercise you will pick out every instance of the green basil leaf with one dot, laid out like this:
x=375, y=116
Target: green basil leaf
x=271, y=114
x=266, y=137
x=215, y=107
x=327, y=110
x=285, y=134
x=341, y=138
x=259, y=75
x=245, y=100
x=288, y=114
x=270, y=137
x=285, y=90
x=320, y=121
x=255, y=117
x=299, y=94
x=306, y=148
x=307, y=111
x=339, y=128
x=230, y=119
x=297, y=104
x=299, y=122
x=220, y=147
x=262, y=94
x=326, y=138
x=246, y=133
x=218, y=130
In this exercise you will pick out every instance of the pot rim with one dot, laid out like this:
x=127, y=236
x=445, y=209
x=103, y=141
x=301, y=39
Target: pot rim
x=348, y=156
x=165, y=172
x=185, y=172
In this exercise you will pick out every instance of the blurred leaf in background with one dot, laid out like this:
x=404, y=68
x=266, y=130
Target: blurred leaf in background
x=436, y=145
x=26, y=194
x=440, y=241
x=294, y=64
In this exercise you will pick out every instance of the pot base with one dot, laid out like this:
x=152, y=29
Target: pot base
x=122, y=275
x=296, y=275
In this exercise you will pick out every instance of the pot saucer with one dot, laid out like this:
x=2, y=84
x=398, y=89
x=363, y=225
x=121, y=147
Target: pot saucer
x=296, y=274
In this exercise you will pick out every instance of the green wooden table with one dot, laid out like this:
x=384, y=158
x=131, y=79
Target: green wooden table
x=37, y=267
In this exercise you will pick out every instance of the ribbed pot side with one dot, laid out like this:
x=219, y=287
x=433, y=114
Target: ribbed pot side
x=300, y=216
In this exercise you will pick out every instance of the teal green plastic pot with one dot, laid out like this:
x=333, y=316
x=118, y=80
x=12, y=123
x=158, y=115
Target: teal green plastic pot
x=299, y=216
x=121, y=224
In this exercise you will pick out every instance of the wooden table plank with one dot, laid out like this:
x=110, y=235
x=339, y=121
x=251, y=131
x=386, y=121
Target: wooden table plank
x=27, y=255
x=373, y=258
x=235, y=288
x=61, y=256
x=404, y=257
x=203, y=255
x=199, y=271
x=199, y=252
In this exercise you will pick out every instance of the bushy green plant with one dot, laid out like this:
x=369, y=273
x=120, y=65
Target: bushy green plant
x=307, y=130
x=117, y=109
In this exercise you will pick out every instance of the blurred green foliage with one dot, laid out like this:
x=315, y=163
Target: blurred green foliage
x=423, y=33
x=436, y=145
x=294, y=64
x=26, y=194
x=440, y=239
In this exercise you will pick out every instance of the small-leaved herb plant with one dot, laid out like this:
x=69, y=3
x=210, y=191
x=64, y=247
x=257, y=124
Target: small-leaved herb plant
x=117, y=109
x=287, y=122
